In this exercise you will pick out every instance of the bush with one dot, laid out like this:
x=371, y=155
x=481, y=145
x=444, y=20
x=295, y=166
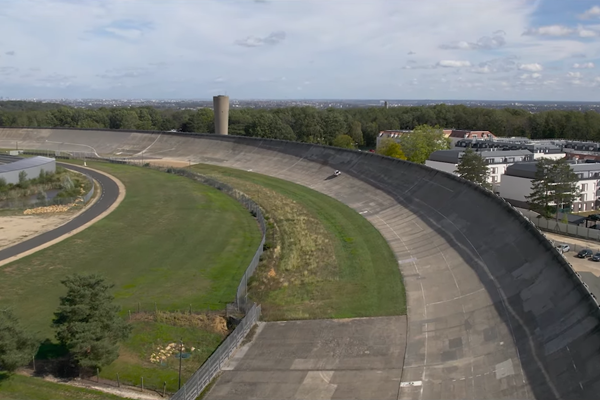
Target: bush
x=23, y=182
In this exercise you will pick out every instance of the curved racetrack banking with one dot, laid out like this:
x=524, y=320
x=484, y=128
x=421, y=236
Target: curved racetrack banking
x=109, y=194
x=494, y=312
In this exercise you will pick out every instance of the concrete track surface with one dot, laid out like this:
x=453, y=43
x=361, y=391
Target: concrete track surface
x=493, y=311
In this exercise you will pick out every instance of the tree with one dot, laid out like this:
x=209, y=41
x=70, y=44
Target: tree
x=474, y=168
x=356, y=133
x=391, y=148
x=343, y=141
x=23, y=182
x=539, y=199
x=564, y=181
x=17, y=347
x=87, y=321
x=554, y=187
x=266, y=125
x=423, y=141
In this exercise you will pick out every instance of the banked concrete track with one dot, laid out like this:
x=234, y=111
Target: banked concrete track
x=494, y=312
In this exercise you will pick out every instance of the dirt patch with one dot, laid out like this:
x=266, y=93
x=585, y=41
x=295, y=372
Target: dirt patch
x=211, y=322
x=16, y=229
x=169, y=163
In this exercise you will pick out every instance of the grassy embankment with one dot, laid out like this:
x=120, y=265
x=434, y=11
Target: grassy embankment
x=18, y=387
x=173, y=243
x=324, y=259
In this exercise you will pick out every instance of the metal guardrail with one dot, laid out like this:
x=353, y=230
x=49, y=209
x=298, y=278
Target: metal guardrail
x=203, y=376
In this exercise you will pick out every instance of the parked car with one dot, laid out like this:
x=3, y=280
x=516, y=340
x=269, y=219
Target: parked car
x=596, y=257
x=563, y=248
x=585, y=253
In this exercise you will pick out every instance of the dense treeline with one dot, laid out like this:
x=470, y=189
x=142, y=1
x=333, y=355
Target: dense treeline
x=309, y=124
x=10, y=105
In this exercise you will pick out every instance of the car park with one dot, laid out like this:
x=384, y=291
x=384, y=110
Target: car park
x=585, y=253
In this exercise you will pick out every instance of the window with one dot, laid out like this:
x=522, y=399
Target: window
x=494, y=171
x=584, y=187
x=494, y=179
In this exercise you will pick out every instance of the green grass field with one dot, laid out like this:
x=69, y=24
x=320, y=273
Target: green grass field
x=172, y=241
x=17, y=387
x=325, y=261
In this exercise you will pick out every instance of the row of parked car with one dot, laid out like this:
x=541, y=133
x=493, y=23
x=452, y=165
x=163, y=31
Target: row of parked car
x=585, y=253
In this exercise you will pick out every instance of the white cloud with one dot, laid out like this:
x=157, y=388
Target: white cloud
x=593, y=12
x=535, y=67
x=587, y=65
x=550, y=30
x=170, y=49
x=562, y=31
x=454, y=64
x=573, y=74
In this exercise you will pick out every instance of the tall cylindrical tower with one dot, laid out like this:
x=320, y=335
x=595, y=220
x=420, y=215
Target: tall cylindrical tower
x=221, y=106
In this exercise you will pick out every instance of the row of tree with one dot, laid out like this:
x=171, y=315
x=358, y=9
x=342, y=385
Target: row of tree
x=308, y=124
x=86, y=323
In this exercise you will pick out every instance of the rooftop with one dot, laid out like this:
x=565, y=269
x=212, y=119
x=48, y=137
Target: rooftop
x=25, y=163
x=453, y=156
x=527, y=169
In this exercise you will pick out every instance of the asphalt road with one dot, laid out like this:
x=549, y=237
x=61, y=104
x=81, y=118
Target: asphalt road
x=108, y=195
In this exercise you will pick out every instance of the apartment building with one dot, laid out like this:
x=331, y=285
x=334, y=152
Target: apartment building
x=498, y=161
x=516, y=184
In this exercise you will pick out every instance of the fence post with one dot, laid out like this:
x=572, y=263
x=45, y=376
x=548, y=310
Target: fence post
x=164, y=389
x=97, y=375
x=118, y=381
x=142, y=383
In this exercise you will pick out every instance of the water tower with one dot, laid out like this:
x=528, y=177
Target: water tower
x=221, y=107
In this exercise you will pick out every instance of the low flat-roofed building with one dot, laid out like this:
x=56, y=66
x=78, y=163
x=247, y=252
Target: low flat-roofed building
x=32, y=167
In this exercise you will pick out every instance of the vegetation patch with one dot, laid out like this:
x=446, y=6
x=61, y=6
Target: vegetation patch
x=63, y=184
x=19, y=387
x=322, y=259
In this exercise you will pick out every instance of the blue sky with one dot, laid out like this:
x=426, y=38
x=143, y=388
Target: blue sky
x=301, y=49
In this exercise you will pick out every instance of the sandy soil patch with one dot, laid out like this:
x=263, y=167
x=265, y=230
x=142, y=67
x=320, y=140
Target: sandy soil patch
x=170, y=163
x=15, y=229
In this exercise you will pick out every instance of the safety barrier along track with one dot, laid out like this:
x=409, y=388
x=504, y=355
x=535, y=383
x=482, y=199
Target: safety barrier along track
x=495, y=312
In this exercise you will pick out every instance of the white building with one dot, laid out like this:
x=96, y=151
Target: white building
x=11, y=167
x=516, y=184
x=498, y=161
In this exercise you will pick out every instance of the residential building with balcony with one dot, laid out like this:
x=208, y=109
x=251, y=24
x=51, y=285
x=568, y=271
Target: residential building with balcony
x=497, y=160
x=516, y=184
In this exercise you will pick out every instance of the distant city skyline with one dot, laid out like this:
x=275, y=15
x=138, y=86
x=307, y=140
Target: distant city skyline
x=497, y=50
